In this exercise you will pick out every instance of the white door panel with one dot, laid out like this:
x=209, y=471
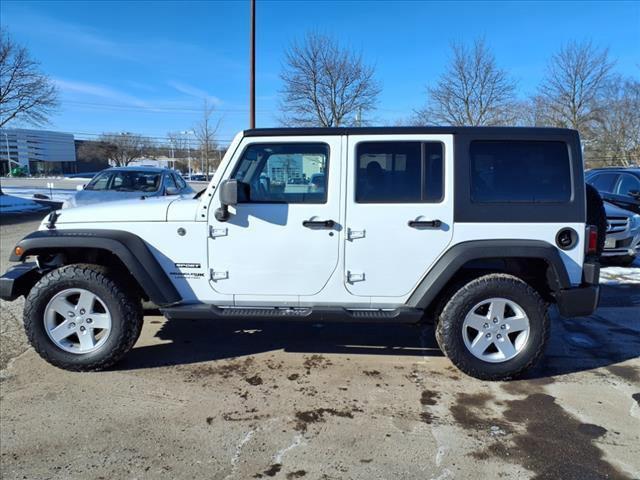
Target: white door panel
x=266, y=249
x=384, y=255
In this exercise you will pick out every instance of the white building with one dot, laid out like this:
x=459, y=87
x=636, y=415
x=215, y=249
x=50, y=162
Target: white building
x=37, y=151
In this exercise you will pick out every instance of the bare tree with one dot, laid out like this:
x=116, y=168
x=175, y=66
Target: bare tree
x=325, y=85
x=617, y=135
x=205, y=132
x=473, y=91
x=25, y=92
x=119, y=149
x=572, y=89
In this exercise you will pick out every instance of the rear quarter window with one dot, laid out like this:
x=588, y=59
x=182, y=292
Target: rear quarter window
x=518, y=171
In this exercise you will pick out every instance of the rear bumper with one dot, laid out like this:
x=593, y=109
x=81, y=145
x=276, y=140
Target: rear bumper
x=583, y=300
x=18, y=280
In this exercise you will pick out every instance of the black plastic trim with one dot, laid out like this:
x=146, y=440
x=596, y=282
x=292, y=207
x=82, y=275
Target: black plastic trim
x=449, y=264
x=578, y=302
x=129, y=248
x=201, y=311
x=501, y=131
x=18, y=280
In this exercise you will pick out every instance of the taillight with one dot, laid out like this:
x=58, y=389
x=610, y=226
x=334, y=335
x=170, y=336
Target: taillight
x=591, y=245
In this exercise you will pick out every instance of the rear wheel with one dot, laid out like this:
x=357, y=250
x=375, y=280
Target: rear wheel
x=494, y=328
x=79, y=318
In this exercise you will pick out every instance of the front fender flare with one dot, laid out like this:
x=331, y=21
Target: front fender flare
x=132, y=251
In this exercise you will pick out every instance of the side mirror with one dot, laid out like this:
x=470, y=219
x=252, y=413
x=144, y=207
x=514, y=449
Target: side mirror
x=230, y=192
x=80, y=187
x=171, y=191
x=635, y=193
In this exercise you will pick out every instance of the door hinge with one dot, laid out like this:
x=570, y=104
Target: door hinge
x=215, y=276
x=354, y=234
x=218, y=232
x=355, y=277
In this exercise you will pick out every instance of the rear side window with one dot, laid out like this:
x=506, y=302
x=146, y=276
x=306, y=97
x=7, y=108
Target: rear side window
x=399, y=172
x=628, y=183
x=520, y=172
x=604, y=182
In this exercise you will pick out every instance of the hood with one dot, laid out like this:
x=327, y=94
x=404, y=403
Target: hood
x=614, y=211
x=89, y=197
x=152, y=209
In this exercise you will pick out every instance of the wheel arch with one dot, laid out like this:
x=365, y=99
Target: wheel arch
x=130, y=251
x=462, y=259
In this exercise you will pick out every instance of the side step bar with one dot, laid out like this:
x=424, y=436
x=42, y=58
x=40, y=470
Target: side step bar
x=316, y=314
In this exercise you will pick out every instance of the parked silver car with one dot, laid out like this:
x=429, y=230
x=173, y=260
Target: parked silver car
x=622, y=242
x=129, y=182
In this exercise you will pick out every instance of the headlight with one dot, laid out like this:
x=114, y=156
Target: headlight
x=635, y=222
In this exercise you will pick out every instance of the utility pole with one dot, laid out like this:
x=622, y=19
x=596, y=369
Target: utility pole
x=252, y=80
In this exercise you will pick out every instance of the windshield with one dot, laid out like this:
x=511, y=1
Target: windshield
x=126, y=181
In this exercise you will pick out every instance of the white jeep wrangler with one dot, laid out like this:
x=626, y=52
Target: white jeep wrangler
x=478, y=229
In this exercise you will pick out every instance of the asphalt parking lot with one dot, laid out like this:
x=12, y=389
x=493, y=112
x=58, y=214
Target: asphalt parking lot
x=272, y=400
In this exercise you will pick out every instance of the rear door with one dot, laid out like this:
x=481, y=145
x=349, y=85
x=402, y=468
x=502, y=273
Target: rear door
x=283, y=239
x=399, y=210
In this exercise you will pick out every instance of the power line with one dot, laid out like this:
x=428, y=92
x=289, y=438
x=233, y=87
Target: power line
x=157, y=108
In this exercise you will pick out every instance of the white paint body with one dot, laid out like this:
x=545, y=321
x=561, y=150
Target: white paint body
x=261, y=256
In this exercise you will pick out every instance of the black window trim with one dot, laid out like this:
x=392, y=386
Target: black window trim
x=305, y=142
x=422, y=177
x=523, y=203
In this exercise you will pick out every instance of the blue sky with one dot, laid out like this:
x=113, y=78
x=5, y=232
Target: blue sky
x=145, y=67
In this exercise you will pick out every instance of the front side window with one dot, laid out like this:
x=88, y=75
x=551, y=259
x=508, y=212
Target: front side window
x=628, y=183
x=99, y=182
x=284, y=173
x=399, y=172
x=180, y=181
x=520, y=172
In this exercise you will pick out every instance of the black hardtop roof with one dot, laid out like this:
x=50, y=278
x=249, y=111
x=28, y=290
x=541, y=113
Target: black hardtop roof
x=279, y=132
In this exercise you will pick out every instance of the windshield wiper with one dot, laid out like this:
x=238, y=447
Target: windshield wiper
x=199, y=194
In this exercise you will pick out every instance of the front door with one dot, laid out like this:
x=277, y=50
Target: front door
x=282, y=239
x=399, y=211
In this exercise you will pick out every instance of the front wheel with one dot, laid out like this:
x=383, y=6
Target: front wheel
x=494, y=328
x=79, y=318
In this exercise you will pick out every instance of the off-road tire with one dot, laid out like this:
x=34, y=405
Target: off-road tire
x=597, y=216
x=126, y=316
x=449, y=327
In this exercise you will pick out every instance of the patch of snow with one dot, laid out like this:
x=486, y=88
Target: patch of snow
x=11, y=204
x=618, y=275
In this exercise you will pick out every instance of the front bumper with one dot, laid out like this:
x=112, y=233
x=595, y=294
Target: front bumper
x=18, y=280
x=583, y=300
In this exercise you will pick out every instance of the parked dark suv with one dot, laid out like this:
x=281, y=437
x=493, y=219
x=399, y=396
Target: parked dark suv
x=620, y=186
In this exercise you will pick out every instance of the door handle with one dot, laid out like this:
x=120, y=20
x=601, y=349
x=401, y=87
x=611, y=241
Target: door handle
x=319, y=223
x=424, y=223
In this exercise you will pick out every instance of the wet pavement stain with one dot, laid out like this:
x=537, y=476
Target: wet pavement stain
x=272, y=471
x=428, y=399
x=255, y=380
x=627, y=372
x=550, y=447
x=591, y=430
x=296, y=474
x=317, y=416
